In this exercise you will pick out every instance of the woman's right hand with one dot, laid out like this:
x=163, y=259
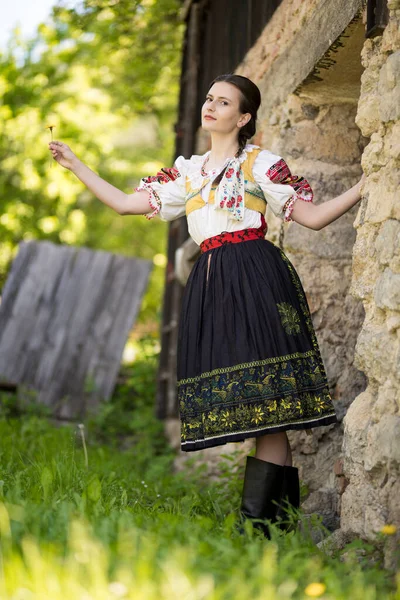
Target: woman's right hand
x=63, y=154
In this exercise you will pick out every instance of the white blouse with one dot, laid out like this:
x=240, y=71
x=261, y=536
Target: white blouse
x=168, y=196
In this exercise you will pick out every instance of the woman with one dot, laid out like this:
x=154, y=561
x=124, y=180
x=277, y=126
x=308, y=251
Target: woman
x=249, y=364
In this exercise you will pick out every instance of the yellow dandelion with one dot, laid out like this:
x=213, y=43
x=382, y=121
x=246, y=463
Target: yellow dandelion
x=51, y=127
x=315, y=589
x=389, y=529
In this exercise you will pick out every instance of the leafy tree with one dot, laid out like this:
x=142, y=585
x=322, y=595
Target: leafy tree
x=106, y=74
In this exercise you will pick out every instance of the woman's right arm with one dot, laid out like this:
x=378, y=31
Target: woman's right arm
x=124, y=204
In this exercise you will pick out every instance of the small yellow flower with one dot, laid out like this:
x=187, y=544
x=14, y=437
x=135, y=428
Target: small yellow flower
x=389, y=529
x=51, y=127
x=315, y=589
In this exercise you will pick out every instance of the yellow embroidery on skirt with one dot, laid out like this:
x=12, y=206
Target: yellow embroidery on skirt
x=289, y=317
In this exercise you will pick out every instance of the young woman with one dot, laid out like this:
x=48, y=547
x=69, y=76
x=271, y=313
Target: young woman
x=249, y=364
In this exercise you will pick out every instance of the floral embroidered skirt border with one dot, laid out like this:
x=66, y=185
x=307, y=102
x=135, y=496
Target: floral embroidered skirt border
x=248, y=357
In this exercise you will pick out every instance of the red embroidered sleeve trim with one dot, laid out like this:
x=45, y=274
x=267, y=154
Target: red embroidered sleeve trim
x=154, y=199
x=165, y=175
x=288, y=208
x=280, y=173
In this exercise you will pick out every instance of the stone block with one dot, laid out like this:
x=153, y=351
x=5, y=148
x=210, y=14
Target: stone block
x=389, y=86
x=387, y=290
x=365, y=266
x=387, y=242
x=383, y=447
x=336, y=542
x=375, y=515
x=333, y=137
x=367, y=117
x=389, y=75
x=374, y=157
x=356, y=423
x=382, y=192
x=355, y=498
x=391, y=37
x=388, y=401
x=393, y=322
x=375, y=353
x=391, y=141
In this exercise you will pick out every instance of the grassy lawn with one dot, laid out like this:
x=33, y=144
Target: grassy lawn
x=97, y=512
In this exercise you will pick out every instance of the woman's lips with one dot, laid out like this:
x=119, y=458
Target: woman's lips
x=209, y=117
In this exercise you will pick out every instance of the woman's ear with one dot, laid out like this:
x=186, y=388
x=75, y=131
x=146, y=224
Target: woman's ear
x=244, y=119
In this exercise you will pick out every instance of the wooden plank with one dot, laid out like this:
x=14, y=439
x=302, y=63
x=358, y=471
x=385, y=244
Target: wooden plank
x=64, y=319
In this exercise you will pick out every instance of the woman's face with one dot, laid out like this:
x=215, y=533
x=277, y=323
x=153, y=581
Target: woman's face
x=222, y=103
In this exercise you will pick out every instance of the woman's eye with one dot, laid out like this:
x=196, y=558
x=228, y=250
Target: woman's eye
x=222, y=101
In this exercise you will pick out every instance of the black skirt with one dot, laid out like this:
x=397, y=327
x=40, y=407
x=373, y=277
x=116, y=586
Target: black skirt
x=248, y=357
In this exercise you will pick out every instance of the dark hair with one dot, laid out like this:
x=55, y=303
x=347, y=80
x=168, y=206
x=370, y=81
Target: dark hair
x=250, y=100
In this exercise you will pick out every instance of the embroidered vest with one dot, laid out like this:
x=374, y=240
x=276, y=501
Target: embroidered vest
x=253, y=195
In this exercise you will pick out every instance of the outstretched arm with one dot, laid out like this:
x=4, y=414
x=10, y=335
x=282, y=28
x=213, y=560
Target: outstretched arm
x=317, y=216
x=124, y=204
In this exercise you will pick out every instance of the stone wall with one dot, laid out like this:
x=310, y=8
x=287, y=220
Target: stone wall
x=372, y=424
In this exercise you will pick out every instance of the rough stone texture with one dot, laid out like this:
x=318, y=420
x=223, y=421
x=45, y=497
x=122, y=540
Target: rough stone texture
x=295, y=39
x=372, y=424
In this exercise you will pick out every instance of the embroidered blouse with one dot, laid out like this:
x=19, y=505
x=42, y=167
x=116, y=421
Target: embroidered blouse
x=265, y=175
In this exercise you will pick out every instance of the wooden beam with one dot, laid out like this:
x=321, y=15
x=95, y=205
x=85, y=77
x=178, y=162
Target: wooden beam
x=184, y=11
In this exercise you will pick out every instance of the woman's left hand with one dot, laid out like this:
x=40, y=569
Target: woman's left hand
x=360, y=183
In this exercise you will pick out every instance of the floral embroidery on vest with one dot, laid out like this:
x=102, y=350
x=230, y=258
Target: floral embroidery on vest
x=236, y=189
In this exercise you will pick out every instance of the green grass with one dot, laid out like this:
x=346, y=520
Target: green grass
x=127, y=526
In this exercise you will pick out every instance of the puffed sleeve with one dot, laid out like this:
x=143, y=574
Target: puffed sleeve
x=167, y=191
x=281, y=188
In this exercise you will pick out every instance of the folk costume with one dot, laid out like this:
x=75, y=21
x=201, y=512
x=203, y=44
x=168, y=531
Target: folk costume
x=248, y=357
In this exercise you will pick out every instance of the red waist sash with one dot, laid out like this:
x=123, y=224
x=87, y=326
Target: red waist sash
x=233, y=237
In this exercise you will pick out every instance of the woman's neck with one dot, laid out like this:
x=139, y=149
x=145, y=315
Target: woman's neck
x=222, y=149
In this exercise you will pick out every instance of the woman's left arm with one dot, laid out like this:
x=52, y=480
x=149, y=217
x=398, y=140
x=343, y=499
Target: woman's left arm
x=317, y=216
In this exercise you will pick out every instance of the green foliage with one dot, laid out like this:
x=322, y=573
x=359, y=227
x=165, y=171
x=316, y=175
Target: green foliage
x=107, y=76
x=129, y=525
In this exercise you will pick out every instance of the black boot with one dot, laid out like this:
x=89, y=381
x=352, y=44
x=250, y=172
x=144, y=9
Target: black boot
x=290, y=496
x=262, y=489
